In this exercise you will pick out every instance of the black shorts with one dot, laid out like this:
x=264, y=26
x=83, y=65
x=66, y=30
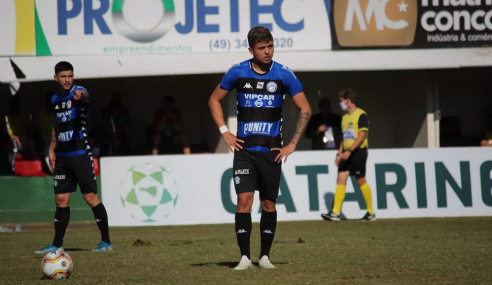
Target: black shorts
x=256, y=170
x=73, y=170
x=355, y=164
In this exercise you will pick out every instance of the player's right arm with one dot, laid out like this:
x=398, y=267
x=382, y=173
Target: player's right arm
x=214, y=103
x=52, y=148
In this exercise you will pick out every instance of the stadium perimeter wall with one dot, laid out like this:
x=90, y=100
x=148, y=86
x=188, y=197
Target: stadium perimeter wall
x=28, y=200
x=199, y=189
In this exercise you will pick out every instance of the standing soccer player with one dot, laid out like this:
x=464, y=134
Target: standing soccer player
x=352, y=155
x=71, y=156
x=261, y=85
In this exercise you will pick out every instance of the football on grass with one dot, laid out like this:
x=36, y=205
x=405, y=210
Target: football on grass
x=57, y=265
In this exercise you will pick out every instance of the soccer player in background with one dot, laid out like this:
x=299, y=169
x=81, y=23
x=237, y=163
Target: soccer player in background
x=352, y=155
x=261, y=85
x=71, y=156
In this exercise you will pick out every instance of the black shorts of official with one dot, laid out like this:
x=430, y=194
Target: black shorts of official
x=355, y=164
x=73, y=170
x=256, y=170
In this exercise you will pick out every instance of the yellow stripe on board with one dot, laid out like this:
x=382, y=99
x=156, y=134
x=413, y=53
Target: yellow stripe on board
x=25, y=40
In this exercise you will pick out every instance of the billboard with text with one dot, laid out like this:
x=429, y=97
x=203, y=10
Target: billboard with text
x=98, y=27
x=199, y=189
x=411, y=23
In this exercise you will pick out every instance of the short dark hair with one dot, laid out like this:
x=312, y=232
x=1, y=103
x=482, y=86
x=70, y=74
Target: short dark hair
x=259, y=34
x=63, y=66
x=349, y=94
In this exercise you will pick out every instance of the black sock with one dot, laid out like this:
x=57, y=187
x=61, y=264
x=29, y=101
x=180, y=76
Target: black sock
x=62, y=217
x=268, y=225
x=243, y=232
x=101, y=217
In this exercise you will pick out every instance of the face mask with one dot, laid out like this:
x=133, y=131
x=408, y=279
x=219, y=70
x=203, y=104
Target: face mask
x=343, y=105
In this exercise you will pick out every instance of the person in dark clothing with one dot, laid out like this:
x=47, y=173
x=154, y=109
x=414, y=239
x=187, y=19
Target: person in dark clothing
x=324, y=128
x=117, y=122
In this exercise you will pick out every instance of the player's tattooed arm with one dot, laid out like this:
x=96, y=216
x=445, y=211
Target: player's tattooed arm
x=302, y=103
x=302, y=123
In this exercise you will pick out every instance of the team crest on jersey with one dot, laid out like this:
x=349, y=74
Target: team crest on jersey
x=237, y=180
x=258, y=103
x=272, y=87
x=69, y=104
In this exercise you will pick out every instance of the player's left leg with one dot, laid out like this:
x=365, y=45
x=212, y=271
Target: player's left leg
x=268, y=226
x=86, y=179
x=359, y=169
x=367, y=194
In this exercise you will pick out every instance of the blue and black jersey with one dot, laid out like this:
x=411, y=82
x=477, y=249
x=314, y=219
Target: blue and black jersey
x=71, y=123
x=260, y=98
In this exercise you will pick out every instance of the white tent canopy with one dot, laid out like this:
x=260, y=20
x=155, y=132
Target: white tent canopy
x=41, y=68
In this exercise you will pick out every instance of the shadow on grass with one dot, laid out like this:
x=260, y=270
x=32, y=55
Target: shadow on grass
x=76, y=249
x=230, y=264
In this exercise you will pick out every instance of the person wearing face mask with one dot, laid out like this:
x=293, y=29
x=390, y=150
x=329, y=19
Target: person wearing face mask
x=352, y=155
x=487, y=141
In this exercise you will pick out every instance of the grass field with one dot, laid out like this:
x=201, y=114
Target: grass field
x=404, y=251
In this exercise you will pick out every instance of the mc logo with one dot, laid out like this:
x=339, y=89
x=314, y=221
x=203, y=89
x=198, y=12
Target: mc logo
x=375, y=22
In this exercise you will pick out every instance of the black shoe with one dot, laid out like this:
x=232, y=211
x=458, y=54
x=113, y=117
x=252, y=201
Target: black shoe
x=368, y=217
x=331, y=217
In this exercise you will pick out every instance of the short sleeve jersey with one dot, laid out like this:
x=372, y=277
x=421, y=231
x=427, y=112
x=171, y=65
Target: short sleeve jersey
x=352, y=124
x=260, y=98
x=70, y=123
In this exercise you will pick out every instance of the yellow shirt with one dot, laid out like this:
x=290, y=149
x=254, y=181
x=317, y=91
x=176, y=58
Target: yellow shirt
x=352, y=124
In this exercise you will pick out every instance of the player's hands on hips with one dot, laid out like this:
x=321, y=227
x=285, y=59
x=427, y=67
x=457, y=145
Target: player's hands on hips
x=321, y=129
x=284, y=152
x=78, y=94
x=52, y=159
x=232, y=141
x=346, y=155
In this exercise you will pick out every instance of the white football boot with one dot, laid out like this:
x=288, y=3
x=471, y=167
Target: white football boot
x=244, y=264
x=265, y=263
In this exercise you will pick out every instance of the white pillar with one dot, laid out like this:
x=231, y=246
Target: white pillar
x=433, y=112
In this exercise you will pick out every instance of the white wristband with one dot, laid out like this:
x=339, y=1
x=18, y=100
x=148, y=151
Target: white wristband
x=223, y=129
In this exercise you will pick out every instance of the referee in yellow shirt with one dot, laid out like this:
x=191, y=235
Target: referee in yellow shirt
x=352, y=155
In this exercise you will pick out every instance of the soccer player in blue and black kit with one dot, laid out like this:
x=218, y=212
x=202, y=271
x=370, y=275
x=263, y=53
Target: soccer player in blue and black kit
x=71, y=156
x=261, y=86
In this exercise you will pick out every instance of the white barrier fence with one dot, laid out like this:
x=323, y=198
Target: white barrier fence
x=198, y=189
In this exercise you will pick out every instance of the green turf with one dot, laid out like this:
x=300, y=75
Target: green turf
x=403, y=251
